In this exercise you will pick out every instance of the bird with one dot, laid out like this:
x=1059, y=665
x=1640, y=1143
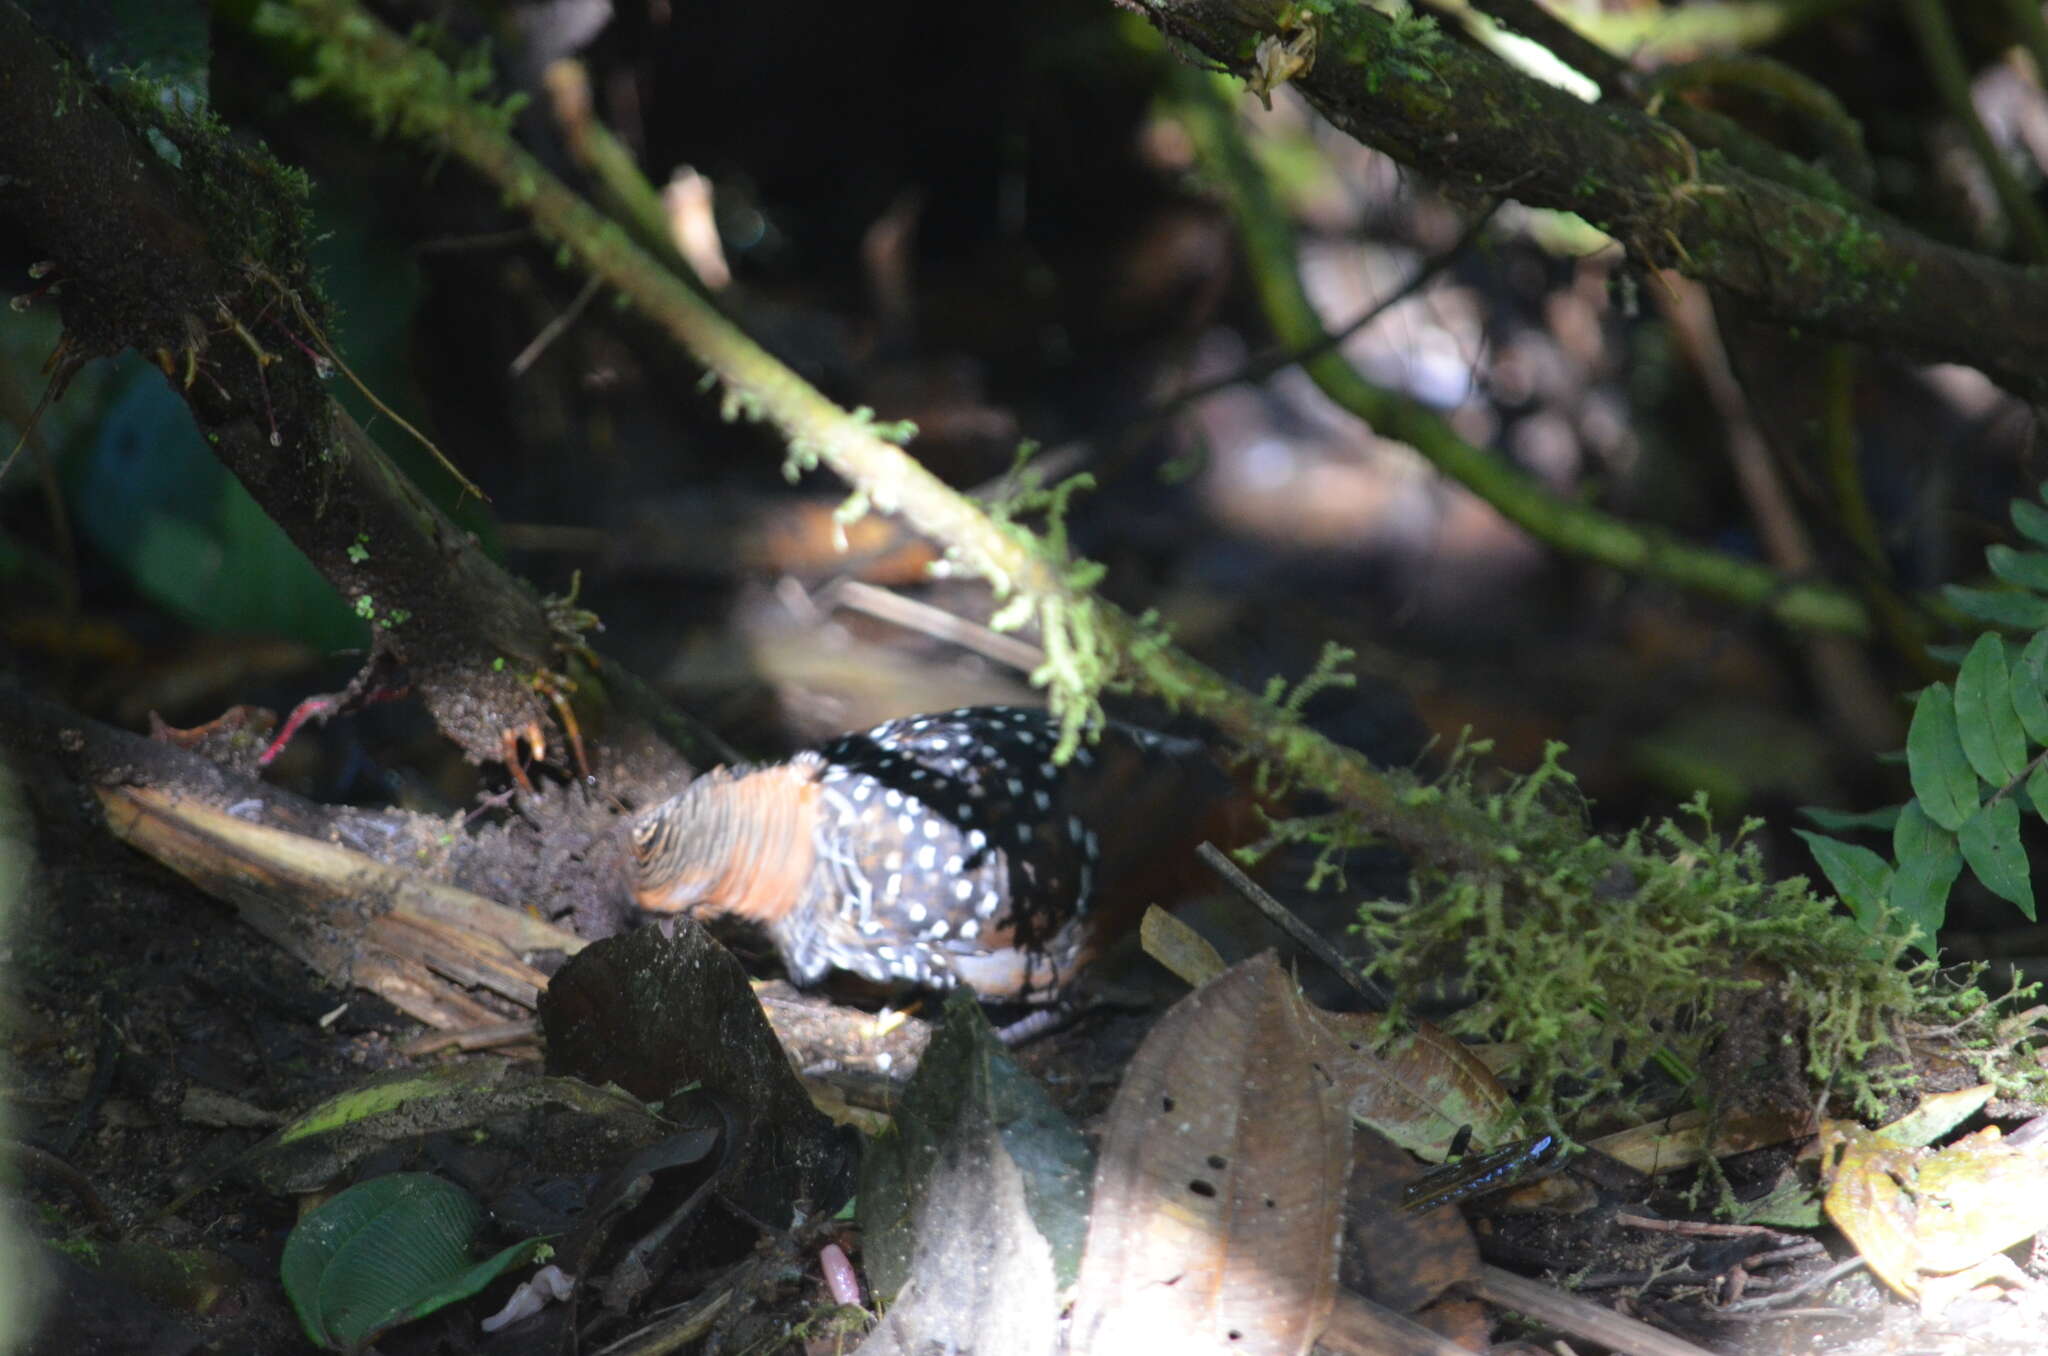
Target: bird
x=940, y=850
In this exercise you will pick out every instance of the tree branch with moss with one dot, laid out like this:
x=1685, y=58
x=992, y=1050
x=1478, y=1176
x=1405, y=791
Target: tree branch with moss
x=175, y=238
x=1090, y=644
x=1519, y=864
x=1464, y=117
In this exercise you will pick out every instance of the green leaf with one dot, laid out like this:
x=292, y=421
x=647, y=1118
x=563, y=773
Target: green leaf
x=385, y=1252
x=2026, y=569
x=2032, y=521
x=968, y=1090
x=2000, y=607
x=150, y=494
x=1842, y=821
x=1941, y=775
x=1929, y=862
x=2030, y=688
x=1991, y=845
x=1860, y=876
x=1985, y=722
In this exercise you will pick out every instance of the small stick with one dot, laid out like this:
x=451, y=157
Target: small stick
x=1284, y=919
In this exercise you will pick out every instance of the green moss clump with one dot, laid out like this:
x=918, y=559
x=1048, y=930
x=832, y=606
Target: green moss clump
x=1596, y=958
x=255, y=207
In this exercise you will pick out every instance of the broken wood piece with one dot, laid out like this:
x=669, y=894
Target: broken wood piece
x=420, y=944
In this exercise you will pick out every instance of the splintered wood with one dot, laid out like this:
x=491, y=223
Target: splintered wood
x=427, y=947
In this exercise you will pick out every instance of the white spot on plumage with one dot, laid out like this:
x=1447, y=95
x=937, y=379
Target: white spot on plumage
x=970, y=929
x=927, y=857
x=914, y=911
x=1042, y=800
x=905, y=825
x=963, y=889
x=1015, y=787
x=931, y=828
x=976, y=839
x=953, y=865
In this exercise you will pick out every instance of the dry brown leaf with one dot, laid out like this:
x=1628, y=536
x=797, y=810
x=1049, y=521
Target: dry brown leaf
x=1934, y=1224
x=1179, y=947
x=1420, y=1089
x=1393, y=1256
x=1683, y=1140
x=1220, y=1182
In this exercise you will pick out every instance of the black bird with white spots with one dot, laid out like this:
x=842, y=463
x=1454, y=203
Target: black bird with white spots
x=935, y=850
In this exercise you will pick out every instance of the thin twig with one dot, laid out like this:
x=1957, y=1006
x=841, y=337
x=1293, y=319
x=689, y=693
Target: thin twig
x=1284, y=919
x=912, y=615
x=555, y=328
x=490, y=1036
x=1569, y=1313
x=1942, y=51
x=1818, y=1282
x=34, y=1158
x=1259, y=368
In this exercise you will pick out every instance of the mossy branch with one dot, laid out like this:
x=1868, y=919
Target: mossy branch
x=1473, y=122
x=404, y=88
x=1575, y=528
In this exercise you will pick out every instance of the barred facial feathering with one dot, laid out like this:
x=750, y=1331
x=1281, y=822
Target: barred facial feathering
x=934, y=850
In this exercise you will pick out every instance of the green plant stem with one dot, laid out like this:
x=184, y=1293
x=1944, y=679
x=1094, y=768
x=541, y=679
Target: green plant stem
x=621, y=188
x=1570, y=527
x=1945, y=66
x=398, y=85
